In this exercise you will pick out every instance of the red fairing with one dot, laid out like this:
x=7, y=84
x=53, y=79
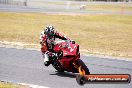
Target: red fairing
x=57, y=48
x=69, y=54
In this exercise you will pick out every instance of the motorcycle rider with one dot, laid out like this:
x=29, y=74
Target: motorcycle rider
x=47, y=41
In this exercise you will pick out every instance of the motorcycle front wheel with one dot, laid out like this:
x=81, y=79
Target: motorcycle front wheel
x=79, y=62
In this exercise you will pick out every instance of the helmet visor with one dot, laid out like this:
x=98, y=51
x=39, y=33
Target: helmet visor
x=50, y=34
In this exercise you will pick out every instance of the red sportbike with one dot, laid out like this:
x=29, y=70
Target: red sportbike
x=68, y=58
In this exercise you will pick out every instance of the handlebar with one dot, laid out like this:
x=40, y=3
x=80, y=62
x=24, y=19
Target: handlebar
x=68, y=42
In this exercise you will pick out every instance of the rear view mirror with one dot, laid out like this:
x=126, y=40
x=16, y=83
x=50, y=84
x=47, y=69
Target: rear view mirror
x=73, y=42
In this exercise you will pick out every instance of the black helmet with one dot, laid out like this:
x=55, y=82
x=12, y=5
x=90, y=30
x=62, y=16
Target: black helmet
x=49, y=31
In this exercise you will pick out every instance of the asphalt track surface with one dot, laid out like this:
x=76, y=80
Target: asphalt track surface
x=54, y=10
x=26, y=66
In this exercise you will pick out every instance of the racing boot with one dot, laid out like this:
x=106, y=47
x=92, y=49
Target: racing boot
x=46, y=60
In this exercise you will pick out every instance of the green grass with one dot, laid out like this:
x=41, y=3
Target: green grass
x=101, y=34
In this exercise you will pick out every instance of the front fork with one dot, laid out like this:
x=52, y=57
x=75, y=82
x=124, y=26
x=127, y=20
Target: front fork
x=79, y=68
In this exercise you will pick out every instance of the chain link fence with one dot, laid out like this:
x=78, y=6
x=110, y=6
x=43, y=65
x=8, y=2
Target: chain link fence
x=14, y=2
x=73, y=5
x=53, y=2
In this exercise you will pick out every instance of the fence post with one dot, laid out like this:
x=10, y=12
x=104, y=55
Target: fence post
x=67, y=5
x=25, y=3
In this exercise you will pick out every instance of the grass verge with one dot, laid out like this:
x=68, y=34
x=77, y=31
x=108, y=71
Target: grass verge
x=97, y=34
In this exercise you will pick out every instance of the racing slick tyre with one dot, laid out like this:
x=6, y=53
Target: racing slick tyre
x=83, y=66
